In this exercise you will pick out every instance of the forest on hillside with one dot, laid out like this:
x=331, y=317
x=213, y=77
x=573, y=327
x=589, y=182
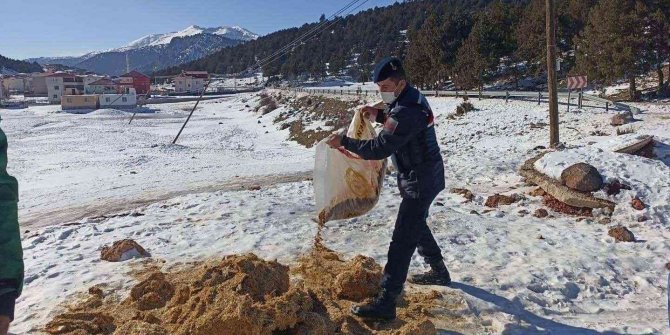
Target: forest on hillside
x=467, y=42
x=19, y=65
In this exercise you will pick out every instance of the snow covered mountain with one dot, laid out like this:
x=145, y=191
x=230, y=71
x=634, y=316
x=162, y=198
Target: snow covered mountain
x=157, y=51
x=233, y=33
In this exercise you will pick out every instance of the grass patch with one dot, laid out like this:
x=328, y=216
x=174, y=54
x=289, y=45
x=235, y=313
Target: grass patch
x=308, y=138
x=267, y=104
x=625, y=130
x=464, y=108
x=334, y=113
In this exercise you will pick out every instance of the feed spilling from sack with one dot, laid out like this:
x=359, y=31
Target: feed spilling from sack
x=345, y=185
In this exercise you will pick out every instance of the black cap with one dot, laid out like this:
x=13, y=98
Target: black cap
x=387, y=67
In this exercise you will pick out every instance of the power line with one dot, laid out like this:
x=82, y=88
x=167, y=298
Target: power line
x=331, y=23
x=295, y=41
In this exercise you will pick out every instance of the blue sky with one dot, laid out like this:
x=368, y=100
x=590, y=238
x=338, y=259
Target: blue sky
x=33, y=28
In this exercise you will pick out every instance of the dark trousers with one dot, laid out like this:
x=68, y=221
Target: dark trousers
x=411, y=232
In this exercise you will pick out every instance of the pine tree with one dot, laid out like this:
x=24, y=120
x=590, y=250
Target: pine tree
x=470, y=64
x=489, y=42
x=530, y=36
x=425, y=57
x=656, y=17
x=612, y=44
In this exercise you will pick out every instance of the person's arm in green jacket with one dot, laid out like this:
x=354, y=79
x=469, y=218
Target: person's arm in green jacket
x=11, y=253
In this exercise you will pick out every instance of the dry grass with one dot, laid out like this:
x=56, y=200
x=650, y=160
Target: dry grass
x=267, y=104
x=464, y=107
x=625, y=130
x=334, y=113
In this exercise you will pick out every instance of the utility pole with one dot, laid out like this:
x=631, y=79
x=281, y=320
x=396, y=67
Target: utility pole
x=551, y=73
x=127, y=63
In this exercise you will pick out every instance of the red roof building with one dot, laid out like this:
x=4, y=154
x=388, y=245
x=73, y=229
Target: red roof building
x=141, y=82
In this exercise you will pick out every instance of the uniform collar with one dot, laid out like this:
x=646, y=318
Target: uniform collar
x=401, y=96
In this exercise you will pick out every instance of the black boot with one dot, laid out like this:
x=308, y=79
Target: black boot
x=382, y=307
x=438, y=275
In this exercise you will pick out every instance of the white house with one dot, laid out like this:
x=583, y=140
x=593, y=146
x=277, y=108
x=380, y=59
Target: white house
x=56, y=86
x=190, y=82
x=126, y=100
x=38, y=84
x=17, y=83
x=88, y=79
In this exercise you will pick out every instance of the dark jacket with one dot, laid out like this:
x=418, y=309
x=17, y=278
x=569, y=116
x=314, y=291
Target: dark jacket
x=409, y=138
x=11, y=253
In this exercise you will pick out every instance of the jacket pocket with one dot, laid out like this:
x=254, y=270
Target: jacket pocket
x=408, y=183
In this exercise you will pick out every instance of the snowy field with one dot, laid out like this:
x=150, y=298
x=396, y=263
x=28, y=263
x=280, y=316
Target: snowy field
x=517, y=274
x=73, y=165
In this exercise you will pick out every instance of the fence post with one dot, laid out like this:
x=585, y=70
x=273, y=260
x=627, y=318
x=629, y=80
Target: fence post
x=607, y=106
x=480, y=94
x=456, y=94
x=506, y=96
x=580, y=100
x=341, y=92
x=539, y=97
x=569, y=101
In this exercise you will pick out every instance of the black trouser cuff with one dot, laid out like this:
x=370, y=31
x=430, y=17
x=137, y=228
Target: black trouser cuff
x=7, y=302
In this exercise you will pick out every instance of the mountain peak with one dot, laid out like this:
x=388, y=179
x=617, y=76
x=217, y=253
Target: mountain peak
x=233, y=33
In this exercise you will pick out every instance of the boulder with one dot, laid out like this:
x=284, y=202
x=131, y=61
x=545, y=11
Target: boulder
x=582, y=177
x=538, y=192
x=621, y=119
x=499, y=199
x=621, y=234
x=122, y=250
x=605, y=221
x=614, y=187
x=638, y=204
x=541, y=213
x=464, y=192
x=559, y=191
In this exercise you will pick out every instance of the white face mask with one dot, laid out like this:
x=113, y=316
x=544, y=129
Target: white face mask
x=388, y=97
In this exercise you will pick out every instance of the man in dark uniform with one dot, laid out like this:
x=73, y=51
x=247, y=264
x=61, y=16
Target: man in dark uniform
x=409, y=138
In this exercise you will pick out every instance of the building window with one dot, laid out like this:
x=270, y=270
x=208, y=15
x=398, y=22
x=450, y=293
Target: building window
x=55, y=96
x=124, y=99
x=68, y=99
x=107, y=99
x=85, y=99
x=56, y=88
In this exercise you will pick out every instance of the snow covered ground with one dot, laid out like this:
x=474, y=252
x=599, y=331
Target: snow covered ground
x=74, y=165
x=516, y=273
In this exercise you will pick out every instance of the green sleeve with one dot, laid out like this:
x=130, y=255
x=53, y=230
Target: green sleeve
x=11, y=253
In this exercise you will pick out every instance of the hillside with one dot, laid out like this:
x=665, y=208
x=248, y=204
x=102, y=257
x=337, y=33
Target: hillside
x=472, y=43
x=157, y=51
x=9, y=65
x=150, y=58
x=355, y=39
